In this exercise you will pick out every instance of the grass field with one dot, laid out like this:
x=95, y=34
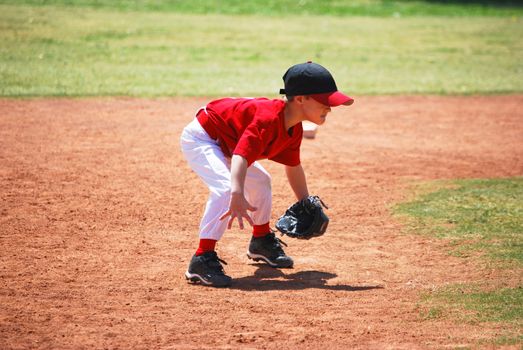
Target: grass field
x=477, y=217
x=303, y=7
x=479, y=303
x=77, y=51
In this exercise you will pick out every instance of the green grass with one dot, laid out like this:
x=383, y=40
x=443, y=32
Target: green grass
x=477, y=216
x=473, y=304
x=62, y=51
x=302, y=7
x=480, y=305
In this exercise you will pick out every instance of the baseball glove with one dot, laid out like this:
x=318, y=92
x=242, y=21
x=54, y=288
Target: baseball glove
x=304, y=219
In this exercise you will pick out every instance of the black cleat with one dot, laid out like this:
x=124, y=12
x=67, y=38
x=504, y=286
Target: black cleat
x=268, y=249
x=207, y=270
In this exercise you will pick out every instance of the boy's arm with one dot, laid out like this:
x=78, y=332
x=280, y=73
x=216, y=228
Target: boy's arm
x=297, y=180
x=238, y=205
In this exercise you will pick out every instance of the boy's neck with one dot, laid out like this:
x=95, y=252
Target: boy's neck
x=292, y=115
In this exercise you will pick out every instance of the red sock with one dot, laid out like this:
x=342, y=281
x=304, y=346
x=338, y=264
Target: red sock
x=261, y=230
x=206, y=245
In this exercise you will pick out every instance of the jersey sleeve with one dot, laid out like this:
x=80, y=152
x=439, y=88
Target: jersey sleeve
x=251, y=143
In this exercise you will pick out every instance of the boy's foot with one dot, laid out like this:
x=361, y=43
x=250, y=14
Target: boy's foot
x=207, y=269
x=268, y=249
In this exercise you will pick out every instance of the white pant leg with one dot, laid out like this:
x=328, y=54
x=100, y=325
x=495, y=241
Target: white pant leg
x=258, y=192
x=206, y=158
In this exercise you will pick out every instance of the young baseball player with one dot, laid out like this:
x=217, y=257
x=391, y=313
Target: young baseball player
x=222, y=145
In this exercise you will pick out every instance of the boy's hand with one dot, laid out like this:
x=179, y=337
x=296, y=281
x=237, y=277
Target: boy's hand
x=238, y=209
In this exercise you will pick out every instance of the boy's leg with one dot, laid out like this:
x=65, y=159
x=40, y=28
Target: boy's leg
x=206, y=159
x=258, y=192
x=264, y=245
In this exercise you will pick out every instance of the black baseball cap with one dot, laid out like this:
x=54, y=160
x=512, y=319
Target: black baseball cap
x=316, y=81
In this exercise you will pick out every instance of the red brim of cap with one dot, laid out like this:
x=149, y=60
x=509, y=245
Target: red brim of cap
x=333, y=99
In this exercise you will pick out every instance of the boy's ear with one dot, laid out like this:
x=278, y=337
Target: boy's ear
x=299, y=99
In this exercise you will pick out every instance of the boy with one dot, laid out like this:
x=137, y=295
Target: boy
x=222, y=145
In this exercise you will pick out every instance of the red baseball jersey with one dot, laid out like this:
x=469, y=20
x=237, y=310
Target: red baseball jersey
x=253, y=128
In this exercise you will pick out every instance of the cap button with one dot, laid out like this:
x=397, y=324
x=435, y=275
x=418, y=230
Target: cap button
x=309, y=61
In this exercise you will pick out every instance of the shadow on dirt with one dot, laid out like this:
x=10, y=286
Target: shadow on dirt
x=268, y=278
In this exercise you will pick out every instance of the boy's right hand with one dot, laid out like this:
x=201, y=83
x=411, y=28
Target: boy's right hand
x=238, y=208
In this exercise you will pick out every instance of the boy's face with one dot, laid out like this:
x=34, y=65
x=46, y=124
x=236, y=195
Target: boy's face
x=314, y=111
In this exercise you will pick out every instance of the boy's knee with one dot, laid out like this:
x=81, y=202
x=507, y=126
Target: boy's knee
x=266, y=182
x=263, y=179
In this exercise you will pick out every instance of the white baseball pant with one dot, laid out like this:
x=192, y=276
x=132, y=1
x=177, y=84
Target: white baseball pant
x=206, y=158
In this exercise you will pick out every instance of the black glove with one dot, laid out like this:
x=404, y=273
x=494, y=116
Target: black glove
x=304, y=219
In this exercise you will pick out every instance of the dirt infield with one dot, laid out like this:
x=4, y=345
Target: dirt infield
x=99, y=214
